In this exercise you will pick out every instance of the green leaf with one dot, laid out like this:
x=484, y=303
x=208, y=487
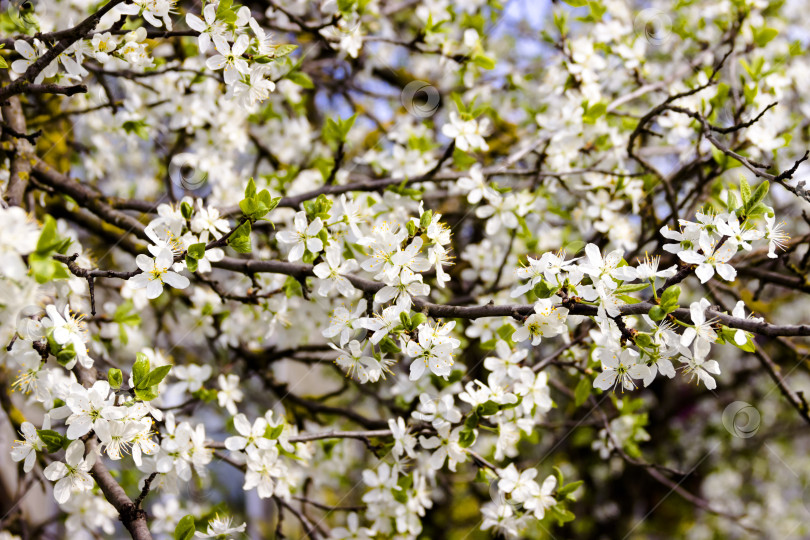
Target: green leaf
x=759, y=195
x=489, y=345
x=292, y=287
x=483, y=61
x=3, y=64
x=115, y=378
x=186, y=210
x=138, y=127
x=643, y=340
x=758, y=210
x=745, y=190
x=417, y=319
x=594, y=112
x=748, y=346
x=191, y=263
x=505, y=332
x=301, y=79
x=284, y=50
x=274, y=432
x=124, y=314
x=582, y=391
x=52, y=439
x=225, y=12
x=346, y=125
x=466, y=438
x=731, y=201
x=41, y=268
x=256, y=205
x=471, y=422
x=157, y=375
x=576, y=3
x=206, y=394
x=388, y=346
x=483, y=476
x=146, y=394
x=49, y=240
x=345, y=6
x=45, y=269
x=487, y=409
x=318, y=208
x=657, y=314
x=632, y=287
x=459, y=103
x=250, y=189
x=331, y=131
x=669, y=299
x=266, y=201
x=196, y=251
x=336, y=130
x=763, y=35
x=185, y=527
x=249, y=206
x=728, y=335
x=66, y=355
x=545, y=289
x=726, y=162
x=561, y=514
x=567, y=489
x=140, y=370
x=597, y=11
x=425, y=219
x=240, y=239
x=463, y=160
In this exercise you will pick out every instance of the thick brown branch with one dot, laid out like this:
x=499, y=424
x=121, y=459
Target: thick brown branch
x=20, y=170
x=65, y=38
x=87, y=198
x=300, y=271
x=133, y=518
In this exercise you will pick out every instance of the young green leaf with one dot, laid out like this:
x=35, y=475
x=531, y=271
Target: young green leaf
x=185, y=528
x=669, y=299
x=632, y=287
x=582, y=391
x=240, y=239
x=115, y=378
x=196, y=251
x=745, y=190
x=140, y=370
x=52, y=439
x=157, y=375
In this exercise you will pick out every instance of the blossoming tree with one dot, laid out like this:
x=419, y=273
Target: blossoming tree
x=404, y=269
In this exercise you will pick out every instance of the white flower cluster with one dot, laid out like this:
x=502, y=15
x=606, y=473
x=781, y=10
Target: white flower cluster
x=335, y=337
x=258, y=445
